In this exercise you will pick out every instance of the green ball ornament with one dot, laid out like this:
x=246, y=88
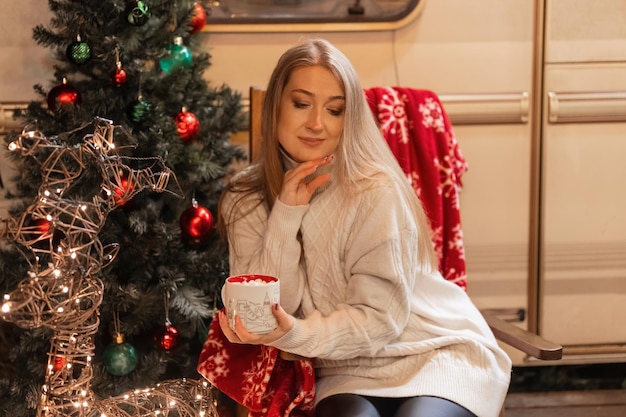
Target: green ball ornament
x=78, y=52
x=138, y=111
x=137, y=12
x=179, y=57
x=120, y=358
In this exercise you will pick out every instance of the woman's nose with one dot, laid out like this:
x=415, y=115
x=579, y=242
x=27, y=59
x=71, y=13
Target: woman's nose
x=314, y=121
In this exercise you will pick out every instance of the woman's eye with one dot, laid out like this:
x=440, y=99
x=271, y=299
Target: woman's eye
x=299, y=105
x=335, y=112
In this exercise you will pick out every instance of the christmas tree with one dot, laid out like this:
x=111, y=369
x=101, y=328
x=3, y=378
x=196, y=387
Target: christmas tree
x=135, y=67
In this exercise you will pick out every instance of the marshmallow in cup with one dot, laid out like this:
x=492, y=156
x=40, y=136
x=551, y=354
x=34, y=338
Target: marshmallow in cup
x=251, y=297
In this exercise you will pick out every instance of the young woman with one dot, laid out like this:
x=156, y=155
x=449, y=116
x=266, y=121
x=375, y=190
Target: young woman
x=328, y=210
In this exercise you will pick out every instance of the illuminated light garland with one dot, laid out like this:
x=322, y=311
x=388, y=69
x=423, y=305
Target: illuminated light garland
x=63, y=293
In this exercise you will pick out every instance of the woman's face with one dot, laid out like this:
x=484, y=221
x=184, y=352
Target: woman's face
x=311, y=115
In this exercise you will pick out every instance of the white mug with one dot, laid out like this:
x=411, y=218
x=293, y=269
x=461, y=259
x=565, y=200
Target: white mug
x=251, y=297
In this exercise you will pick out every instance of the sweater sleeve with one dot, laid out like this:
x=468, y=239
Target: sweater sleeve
x=267, y=244
x=381, y=267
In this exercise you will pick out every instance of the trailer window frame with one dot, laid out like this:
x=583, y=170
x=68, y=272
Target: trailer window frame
x=309, y=15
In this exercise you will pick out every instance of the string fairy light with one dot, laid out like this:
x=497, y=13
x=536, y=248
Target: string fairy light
x=63, y=291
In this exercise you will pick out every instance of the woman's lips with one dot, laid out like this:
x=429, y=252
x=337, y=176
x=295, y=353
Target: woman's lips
x=311, y=141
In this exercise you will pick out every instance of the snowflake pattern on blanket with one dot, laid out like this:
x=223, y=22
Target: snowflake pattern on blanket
x=420, y=136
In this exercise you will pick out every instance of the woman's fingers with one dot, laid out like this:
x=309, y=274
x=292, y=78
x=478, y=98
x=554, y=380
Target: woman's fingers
x=284, y=320
x=241, y=335
x=295, y=189
x=228, y=332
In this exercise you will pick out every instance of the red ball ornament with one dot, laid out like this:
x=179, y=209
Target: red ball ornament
x=166, y=337
x=63, y=95
x=198, y=18
x=187, y=126
x=196, y=224
x=122, y=191
x=58, y=363
x=40, y=227
x=38, y=232
x=118, y=77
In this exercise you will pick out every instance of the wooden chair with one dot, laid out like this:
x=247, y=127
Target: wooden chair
x=531, y=344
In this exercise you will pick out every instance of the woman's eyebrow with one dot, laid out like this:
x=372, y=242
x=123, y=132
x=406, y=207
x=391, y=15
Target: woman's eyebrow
x=310, y=94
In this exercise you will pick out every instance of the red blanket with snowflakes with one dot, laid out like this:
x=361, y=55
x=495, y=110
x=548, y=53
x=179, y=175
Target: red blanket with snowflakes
x=420, y=135
x=257, y=377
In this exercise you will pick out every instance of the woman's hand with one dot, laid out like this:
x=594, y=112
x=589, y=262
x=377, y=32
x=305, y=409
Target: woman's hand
x=296, y=191
x=242, y=335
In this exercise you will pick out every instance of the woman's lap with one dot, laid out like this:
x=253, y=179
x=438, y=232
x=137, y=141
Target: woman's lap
x=352, y=405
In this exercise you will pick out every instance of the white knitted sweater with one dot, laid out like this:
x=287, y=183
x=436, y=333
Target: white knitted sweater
x=376, y=323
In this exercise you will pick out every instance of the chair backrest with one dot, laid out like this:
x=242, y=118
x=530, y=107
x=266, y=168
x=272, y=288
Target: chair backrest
x=257, y=96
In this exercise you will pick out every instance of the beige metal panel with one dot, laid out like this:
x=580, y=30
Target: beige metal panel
x=585, y=31
x=495, y=213
x=452, y=47
x=242, y=60
x=584, y=233
x=24, y=63
x=468, y=47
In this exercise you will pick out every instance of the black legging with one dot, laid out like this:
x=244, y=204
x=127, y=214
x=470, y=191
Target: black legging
x=352, y=405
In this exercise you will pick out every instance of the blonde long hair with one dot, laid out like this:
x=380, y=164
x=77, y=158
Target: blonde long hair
x=362, y=154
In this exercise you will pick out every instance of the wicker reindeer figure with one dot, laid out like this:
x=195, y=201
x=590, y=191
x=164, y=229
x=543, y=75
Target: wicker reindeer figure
x=63, y=291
